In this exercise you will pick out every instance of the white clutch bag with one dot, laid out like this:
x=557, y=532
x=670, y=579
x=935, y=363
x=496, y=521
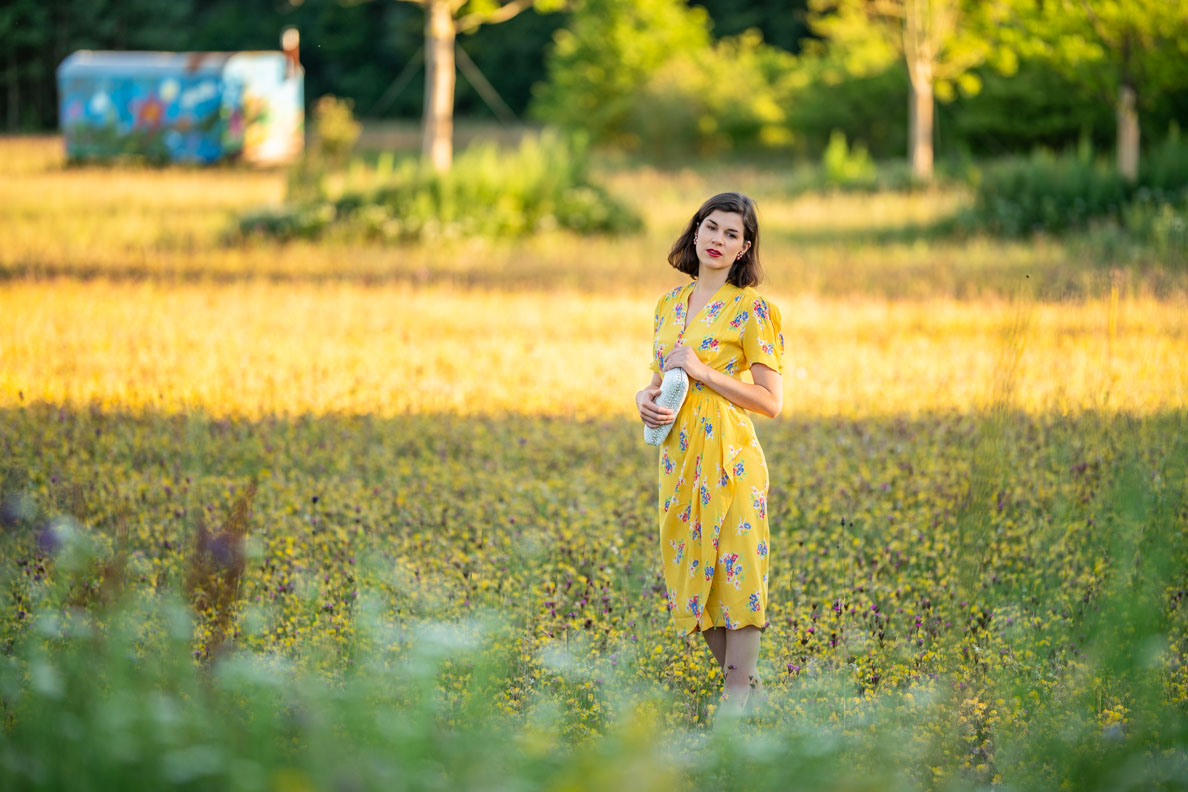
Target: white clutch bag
x=673, y=389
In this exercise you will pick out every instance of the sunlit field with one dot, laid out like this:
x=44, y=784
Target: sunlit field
x=321, y=516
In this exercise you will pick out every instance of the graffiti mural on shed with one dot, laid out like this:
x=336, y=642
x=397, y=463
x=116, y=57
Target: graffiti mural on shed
x=183, y=106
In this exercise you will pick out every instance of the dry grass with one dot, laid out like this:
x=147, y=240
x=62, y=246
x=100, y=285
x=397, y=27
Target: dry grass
x=133, y=222
x=258, y=348
x=551, y=325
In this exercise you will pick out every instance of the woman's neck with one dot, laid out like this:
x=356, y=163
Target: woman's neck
x=708, y=282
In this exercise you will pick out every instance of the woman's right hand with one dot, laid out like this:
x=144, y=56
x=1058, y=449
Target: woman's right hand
x=652, y=414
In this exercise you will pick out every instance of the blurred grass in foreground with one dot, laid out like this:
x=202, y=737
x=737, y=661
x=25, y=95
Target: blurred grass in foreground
x=474, y=604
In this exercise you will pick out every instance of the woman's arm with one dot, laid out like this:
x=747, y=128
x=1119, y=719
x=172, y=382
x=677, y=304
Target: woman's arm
x=765, y=396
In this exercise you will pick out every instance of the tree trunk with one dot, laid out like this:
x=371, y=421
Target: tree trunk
x=437, y=129
x=920, y=121
x=1128, y=133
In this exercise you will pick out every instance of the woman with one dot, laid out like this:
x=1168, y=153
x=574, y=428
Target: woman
x=713, y=475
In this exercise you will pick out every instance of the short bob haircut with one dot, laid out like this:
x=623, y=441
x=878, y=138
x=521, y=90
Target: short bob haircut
x=743, y=272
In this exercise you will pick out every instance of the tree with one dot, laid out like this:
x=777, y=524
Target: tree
x=1128, y=50
x=444, y=20
x=603, y=59
x=938, y=40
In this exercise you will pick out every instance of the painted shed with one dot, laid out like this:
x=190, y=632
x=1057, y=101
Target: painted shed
x=182, y=106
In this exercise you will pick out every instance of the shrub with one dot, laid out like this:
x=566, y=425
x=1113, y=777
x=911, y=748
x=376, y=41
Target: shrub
x=1054, y=193
x=1046, y=192
x=846, y=167
x=541, y=186
x=335, y=128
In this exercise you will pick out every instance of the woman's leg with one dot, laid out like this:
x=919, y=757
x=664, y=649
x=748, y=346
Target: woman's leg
x=742, y=658
x=715, y=638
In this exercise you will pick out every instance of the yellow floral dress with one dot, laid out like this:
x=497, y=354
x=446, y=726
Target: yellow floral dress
x=713, y=476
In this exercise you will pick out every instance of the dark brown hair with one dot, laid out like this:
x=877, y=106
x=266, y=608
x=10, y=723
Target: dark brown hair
x=743, y=272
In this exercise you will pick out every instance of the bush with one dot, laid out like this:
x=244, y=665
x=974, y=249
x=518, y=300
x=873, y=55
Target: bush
x=845, y=167
x=335, y=128
x=1047, y=192
x=541, y=186
x=1054, y=193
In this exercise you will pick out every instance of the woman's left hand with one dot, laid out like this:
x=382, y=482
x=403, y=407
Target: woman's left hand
x=684, y=356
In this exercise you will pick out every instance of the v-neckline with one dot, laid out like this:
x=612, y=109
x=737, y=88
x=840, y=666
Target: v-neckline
x=708, y=303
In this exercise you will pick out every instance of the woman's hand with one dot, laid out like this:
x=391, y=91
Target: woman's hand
x=652, y=414
x=684, y=356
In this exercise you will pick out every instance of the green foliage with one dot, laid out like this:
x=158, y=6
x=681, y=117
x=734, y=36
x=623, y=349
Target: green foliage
x=1105, y=43
x=335, y=128
x=869, y=36
x=1047, y=192
x=871, y=109
x=1054, y=193
x=845, y=167
x=545, y=184
x=731, y=95
x=1036, y=105
x=611, y=49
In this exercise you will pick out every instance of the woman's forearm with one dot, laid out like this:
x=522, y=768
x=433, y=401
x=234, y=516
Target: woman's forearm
x=747, y=395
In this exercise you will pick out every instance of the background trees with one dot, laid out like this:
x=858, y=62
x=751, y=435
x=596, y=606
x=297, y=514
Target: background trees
x=1129, y=52
x=674, y=77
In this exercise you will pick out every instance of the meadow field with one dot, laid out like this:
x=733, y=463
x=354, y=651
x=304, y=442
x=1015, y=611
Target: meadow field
x=329, y=515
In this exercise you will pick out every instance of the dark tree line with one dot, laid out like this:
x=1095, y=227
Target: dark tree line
x=353, y=50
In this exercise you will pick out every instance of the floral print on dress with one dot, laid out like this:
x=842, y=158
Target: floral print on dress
x=711, y=466
x=712, y=310
x=733, y=569
x=678, y=315
x=759, y=501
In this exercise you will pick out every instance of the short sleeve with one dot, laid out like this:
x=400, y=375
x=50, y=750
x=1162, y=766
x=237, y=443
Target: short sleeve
x=656, y=320
x=762, y=338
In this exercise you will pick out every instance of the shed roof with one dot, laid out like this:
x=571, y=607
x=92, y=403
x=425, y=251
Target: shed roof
x=89, y=62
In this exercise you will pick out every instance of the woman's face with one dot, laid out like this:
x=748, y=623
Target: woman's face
x=720, y=239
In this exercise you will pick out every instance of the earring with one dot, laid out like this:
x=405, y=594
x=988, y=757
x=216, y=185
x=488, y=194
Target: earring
x=739, y=256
